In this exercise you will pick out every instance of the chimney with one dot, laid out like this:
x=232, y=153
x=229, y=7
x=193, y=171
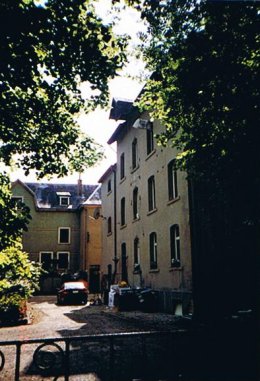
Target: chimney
x=80, y=187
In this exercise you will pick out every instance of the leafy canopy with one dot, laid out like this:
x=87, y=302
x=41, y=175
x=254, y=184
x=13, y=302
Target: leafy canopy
x=47, y=51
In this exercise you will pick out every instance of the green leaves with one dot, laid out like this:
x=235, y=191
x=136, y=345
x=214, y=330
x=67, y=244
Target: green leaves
x=19, y=277
x=46, y=53
x=13, y=220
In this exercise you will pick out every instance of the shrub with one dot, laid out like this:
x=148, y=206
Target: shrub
x=19, y=278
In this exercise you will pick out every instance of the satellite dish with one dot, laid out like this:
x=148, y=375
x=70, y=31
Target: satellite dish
x=96, y=213
x=141, y=123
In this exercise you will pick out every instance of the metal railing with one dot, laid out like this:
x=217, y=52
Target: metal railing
x=111, y=357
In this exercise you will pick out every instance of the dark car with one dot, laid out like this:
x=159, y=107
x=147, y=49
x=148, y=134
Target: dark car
x=72, y=293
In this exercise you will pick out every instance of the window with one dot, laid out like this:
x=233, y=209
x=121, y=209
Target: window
x=18, y=201
x=64, y=198
x=175, y=245
x=122, y=166
x=109, y=225
x=46, y=259
x=151, y=194
x=63, y=260
x=134, y=153
x=122, y=211
x=153, y=250
x=172, y=181
x=136, y=252
x=135, y=204
x=149, y=138
x=64, y=235
x=109, y=186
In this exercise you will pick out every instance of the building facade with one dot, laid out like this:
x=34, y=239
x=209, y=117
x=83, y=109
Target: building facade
x=146, y=232
x=61, y=235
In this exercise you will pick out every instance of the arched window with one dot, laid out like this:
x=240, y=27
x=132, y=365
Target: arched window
x=149, y=138
x=134, y=153
x=151, y=194
x=172, y=181
x=175, y=246
x=153, y=250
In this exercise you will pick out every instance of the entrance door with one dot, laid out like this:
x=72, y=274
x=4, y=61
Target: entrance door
x=94, y=279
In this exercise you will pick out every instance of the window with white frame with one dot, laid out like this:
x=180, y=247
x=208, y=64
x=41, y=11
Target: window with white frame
x=151, y=194
x=175, y=246
x=64, y=235
x=172, y=181
x=46, y=259
x=64, y=198
x=153, y=250
x=63, y=260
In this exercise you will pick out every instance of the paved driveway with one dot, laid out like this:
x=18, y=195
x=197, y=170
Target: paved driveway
x=53, y=321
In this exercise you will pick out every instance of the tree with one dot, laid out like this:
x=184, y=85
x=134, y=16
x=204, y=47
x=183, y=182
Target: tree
x=13, y=219
x=48, y=50
x=204, y=56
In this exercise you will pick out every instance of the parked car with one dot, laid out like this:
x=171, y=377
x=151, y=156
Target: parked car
x=72, y=293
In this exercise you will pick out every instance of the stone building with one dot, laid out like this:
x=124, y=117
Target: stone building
x=63, y=234
x=145, y=207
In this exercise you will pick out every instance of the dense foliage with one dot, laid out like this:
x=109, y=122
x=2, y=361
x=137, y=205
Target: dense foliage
x=47, y=51
x=18, y=279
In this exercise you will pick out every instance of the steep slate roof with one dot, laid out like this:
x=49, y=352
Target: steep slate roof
x=47, y=194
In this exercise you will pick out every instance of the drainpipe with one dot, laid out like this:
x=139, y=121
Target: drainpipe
x=115, y=259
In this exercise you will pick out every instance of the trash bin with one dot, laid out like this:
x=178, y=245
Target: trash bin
x=127, y=300
x=147, y=299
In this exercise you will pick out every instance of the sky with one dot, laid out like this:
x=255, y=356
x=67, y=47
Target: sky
x=97, y=124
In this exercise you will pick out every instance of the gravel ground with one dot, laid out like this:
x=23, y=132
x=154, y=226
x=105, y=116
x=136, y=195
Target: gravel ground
x=48, y=320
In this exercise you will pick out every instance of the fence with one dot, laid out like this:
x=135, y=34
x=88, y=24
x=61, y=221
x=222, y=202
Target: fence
x=119, y=356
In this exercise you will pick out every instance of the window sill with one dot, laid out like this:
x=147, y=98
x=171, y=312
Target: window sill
x=135, y=220
x=150, y=154
x=154, y=271
x=123, y=226
x=122, y=180
x=172, y=269
x=134, y=169
x=152, y=211
x=173, y=200
x=109, y=192
x=109, y=234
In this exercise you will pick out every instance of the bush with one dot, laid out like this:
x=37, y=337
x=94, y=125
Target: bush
x=19, y=278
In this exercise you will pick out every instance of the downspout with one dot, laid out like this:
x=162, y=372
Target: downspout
x=115, y=259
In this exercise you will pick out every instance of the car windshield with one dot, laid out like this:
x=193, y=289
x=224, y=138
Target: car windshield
x=74, y=285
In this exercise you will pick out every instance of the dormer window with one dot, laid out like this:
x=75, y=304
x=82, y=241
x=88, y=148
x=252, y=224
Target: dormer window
x=64, y=198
